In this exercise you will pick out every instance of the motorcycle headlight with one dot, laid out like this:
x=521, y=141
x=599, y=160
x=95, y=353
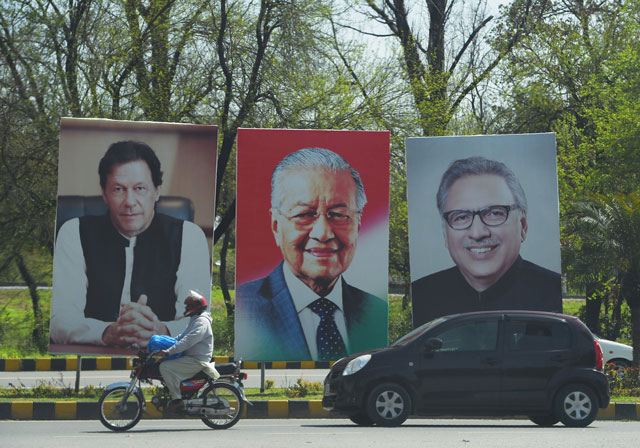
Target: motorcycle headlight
x=355, y=365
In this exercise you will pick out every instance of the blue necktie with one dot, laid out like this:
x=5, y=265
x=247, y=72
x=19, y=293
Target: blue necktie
x=329, y=342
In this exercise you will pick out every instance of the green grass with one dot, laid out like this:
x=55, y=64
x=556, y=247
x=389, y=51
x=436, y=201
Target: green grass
x=16, y=322
x=572, y=306
x=57, y=392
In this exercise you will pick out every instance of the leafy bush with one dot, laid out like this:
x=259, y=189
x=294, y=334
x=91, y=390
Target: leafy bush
x=625, y=382
x=223, y=338
x=302, y=388
x=612, y=326
x=400, y=320
x=54, y=389
x=268, y=384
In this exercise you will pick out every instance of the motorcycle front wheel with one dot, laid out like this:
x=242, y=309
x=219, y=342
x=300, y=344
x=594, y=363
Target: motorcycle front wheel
x=116, y=414
x=223, y=397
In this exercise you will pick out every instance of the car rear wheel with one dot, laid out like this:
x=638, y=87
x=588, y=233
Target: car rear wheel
x=576, y=405
x=544, y=420
x=361, y=419
x=388, y=404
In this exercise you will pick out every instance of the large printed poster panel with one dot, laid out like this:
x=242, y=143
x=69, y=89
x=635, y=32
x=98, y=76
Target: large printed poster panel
x=311, y=252
x=133, y=231
x=483, y=224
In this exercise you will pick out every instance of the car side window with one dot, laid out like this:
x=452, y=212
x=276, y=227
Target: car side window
x=470, y=336
x=535, y=335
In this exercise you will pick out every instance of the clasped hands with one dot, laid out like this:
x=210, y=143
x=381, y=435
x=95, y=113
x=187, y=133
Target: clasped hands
x=135, y=325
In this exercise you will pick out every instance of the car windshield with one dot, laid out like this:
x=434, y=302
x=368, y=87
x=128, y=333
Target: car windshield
x=418, y=331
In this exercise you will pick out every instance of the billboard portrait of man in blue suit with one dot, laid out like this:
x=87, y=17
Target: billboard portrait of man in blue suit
x=304, y=309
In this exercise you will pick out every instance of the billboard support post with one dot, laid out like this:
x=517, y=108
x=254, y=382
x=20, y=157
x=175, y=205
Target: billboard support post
x=78, y=368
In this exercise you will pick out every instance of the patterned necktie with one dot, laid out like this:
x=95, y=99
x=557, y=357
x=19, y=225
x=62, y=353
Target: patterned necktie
x=329, y=342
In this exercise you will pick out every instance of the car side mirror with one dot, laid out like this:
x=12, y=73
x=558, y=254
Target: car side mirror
x=432, y=344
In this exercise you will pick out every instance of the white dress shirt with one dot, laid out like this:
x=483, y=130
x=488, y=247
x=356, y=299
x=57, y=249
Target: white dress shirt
x=302, y=297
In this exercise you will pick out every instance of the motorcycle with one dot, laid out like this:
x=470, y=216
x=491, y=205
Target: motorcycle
x=218, y=403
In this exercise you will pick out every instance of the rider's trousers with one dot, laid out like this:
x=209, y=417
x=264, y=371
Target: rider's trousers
x=175, y=370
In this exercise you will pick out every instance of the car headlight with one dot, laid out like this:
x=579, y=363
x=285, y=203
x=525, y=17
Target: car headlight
x=355, y=365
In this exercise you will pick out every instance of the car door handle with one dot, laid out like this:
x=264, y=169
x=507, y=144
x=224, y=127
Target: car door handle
x=492, y=361
x=560, y=358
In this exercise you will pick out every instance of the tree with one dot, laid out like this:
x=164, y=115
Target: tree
x=556, y=79
x=27, y=149
x=612, y=223
x=575, y=74
x=441, y=71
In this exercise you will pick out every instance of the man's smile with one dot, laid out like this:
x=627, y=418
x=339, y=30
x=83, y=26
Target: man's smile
x=481, y=250
x=321, y=251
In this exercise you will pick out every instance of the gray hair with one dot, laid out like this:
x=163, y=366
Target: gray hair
x=314, y=158
x=474, y=166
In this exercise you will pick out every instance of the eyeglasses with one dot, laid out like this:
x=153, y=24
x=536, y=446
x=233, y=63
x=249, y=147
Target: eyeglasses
x=492, y=216
x=339, y=217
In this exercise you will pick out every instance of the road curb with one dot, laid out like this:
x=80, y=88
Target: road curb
x=88, y=410
x=124, y=363
x=261, y=409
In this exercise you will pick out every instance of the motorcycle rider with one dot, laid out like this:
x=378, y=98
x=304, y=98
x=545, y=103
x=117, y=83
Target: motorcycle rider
x=196, y=344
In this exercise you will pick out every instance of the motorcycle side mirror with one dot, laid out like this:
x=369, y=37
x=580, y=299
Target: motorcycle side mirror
x=431, y=345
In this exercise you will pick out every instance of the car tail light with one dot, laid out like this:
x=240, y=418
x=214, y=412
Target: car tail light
x=599, y=356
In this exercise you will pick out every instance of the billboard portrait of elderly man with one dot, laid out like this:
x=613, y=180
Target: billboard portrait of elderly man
x=122, y=276
x=305, y=309
x=484, y=217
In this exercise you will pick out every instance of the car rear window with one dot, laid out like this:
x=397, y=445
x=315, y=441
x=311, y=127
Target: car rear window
x=528, y=335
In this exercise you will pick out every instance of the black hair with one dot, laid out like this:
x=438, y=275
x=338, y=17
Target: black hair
x=129, y=151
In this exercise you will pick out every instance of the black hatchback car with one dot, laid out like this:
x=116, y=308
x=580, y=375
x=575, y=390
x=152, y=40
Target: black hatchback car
x=543, y=365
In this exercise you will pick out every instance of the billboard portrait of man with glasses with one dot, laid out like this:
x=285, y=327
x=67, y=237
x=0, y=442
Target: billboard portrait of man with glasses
x=305, y=308
x=484, y=217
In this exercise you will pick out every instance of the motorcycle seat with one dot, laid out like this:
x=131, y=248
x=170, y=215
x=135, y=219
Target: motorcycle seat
x=227, y=368
x=223, y=369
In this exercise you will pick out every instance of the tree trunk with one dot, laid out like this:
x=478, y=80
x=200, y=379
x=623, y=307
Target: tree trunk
x=616, y=318
x=592, y=308
x=223, y=274
x=630, y=291
x=406, y=298
x=635, y=333
x=38, y=336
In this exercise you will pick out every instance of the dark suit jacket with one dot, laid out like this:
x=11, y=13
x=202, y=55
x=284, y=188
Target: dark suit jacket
x=268, y=328
x=525, y=286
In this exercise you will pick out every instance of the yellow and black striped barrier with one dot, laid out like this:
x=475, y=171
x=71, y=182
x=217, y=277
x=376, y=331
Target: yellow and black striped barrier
x=61, y=364
x=88, y=410
x=124, y=363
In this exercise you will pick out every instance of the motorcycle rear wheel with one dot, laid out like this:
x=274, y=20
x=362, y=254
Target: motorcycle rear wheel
x=118, y=416
x=229, y=397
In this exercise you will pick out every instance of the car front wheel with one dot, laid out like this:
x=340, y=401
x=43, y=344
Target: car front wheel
x=576, y=405
x=388, y=404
